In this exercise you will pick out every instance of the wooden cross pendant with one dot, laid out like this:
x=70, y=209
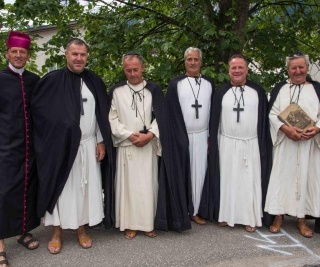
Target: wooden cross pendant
x=238, y=109
x=81, y=103
x=196, y=106
x=145, y=130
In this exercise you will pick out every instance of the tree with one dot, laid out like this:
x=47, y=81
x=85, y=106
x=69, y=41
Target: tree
x=264, y=31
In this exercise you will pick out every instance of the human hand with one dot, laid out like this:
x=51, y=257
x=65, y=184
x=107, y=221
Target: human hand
x=311, y=132
x=291, y=132
x=133, y=137
x=100, y=151
x=143, y=139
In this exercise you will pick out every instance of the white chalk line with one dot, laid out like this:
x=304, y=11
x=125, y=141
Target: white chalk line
x=268, y=238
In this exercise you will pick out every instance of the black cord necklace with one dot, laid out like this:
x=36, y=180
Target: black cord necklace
x=82, y=99
x=135, y=96
x=196, y=105
x=237, y=101
x=300, y=86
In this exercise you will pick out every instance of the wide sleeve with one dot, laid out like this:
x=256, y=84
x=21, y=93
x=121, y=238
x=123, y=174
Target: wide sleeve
x=276, y=134
x=317, y=136
x=98, y=134
x=119, y=131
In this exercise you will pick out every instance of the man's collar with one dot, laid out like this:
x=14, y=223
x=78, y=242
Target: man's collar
x=15, y=70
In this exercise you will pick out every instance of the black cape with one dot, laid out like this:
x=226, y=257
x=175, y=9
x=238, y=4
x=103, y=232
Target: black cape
x=55, y=108
x=175, y=205
x=212, y=194
x=273, y=98
x=17, y=155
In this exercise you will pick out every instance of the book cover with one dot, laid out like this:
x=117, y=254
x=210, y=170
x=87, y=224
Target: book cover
x=295, y=116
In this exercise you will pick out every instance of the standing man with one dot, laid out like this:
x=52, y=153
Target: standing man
x=135, y=119
x=242, y=142
x=69, y=108
x=294, y=187
x=188, y=107
x=18, y=175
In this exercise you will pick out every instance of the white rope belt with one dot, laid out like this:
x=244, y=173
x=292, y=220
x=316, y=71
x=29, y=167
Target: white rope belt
x=200, y=131
x=298, y=186
x=84, y=180
x=245, y=152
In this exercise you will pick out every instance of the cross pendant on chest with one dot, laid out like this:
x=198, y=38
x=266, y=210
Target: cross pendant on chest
x=238, y=109
x=81, y=104
x=196, y=106
x=145, y=130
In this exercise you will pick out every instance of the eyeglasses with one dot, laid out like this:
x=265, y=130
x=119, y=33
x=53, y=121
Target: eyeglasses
x=296, y=54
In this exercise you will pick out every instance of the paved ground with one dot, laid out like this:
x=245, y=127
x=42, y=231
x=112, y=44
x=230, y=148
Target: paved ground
x=207, y=246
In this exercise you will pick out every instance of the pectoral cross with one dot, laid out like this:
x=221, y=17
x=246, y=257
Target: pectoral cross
x=196, y=106
x=81, y=104
x=238, y=109
x=145, y=130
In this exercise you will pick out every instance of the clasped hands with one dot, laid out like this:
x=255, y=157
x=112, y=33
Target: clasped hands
x=141, y=139
x=297, y=134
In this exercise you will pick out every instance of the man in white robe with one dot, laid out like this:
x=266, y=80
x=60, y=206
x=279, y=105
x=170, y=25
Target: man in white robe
x=294, y=187
x=133, y=116
x=79, y=100
x=242, y=112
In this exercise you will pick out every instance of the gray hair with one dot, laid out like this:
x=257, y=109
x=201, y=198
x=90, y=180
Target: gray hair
x=131, y=55
x=191, y=49
x=297, y=55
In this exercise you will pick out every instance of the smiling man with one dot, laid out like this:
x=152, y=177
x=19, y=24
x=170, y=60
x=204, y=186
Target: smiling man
x=294, y=182
x=188, y=107
x=241, y=139
x=18, y=175
x=69, y=108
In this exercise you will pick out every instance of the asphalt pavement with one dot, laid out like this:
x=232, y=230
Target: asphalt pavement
x=206, y=246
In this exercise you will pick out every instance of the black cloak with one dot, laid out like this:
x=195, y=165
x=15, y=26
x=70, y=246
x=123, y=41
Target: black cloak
x=175, y=205
x=55, y=109
x=18, y=174
x=212, y=200
x=273, y=98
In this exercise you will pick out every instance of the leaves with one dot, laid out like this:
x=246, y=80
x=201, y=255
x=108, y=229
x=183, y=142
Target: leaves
x=264, y=31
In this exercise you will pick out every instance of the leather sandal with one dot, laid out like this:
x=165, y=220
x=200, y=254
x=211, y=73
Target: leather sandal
x=83, y=238
x=250, y=229
x=5, y=261
x=276, y=225
x=199, y=220
x=304, y=230
x=130, y=234
x=26, y=240
x=151, y=234
x=55, y=243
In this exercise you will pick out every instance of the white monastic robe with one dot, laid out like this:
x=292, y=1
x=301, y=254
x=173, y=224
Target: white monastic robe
x=136, y=182
x=197, y=130
x=81, y=201
x=240, y=169
x=294, y=186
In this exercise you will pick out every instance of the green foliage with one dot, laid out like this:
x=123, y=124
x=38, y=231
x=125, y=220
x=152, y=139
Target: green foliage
x=264, y=31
